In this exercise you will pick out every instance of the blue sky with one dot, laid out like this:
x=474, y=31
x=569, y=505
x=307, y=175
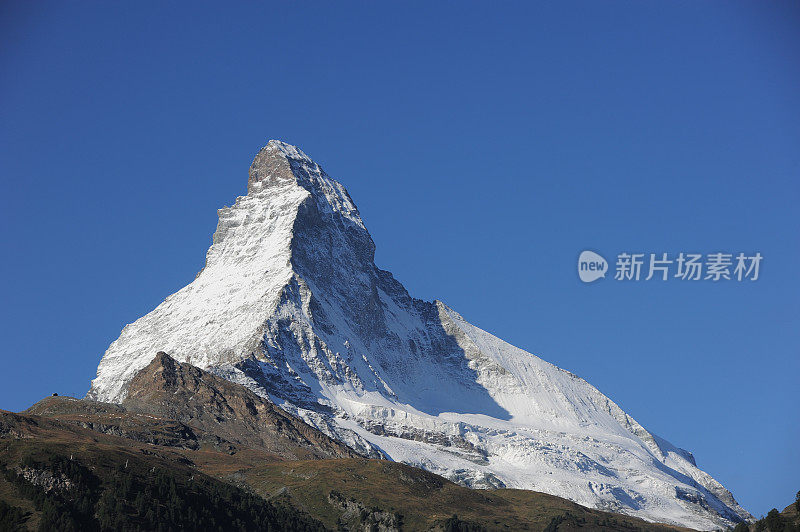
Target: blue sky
x=485, y=146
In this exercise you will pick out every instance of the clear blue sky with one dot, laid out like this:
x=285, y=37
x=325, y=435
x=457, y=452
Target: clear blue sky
x=485, y=144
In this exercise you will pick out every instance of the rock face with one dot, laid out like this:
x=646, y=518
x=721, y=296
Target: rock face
x=204, y=402
x=173, y=404
x=291, y=304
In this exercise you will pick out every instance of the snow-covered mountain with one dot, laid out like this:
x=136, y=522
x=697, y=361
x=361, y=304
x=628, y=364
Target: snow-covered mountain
x=291, y=304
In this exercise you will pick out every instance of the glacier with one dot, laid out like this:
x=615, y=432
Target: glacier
x=291, y=305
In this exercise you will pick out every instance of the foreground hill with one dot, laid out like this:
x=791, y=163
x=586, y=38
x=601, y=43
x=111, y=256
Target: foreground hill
x=229, y=459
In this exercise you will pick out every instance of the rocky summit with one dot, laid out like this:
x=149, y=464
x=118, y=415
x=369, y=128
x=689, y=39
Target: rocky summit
x=291, y=305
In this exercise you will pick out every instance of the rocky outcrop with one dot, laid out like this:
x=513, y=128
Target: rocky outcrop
x=47, y=480
x=175, y=404
x=205, y=402
x=357, y=517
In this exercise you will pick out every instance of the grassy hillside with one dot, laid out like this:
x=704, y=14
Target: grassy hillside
x=48, y=487
x=59, y=475
x=424, y=500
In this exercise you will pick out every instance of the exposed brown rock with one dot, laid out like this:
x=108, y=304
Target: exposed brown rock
x=210, y=404
x=178, y=405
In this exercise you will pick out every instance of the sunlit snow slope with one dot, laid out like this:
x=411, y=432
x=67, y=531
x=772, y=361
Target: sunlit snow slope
x=291, y=304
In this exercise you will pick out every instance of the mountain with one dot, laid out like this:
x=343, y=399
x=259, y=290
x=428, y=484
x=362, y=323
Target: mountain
x=291, y=305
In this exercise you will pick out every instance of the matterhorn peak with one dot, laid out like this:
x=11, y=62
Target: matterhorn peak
x=286, y=149
x=273, y=163
x=291, y=305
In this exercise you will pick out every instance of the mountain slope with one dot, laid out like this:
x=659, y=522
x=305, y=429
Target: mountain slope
x=55, y=475
x=93, y=465
x=291, y=304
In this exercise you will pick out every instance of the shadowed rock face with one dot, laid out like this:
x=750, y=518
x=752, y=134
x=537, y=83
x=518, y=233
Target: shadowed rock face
x=202, y=401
